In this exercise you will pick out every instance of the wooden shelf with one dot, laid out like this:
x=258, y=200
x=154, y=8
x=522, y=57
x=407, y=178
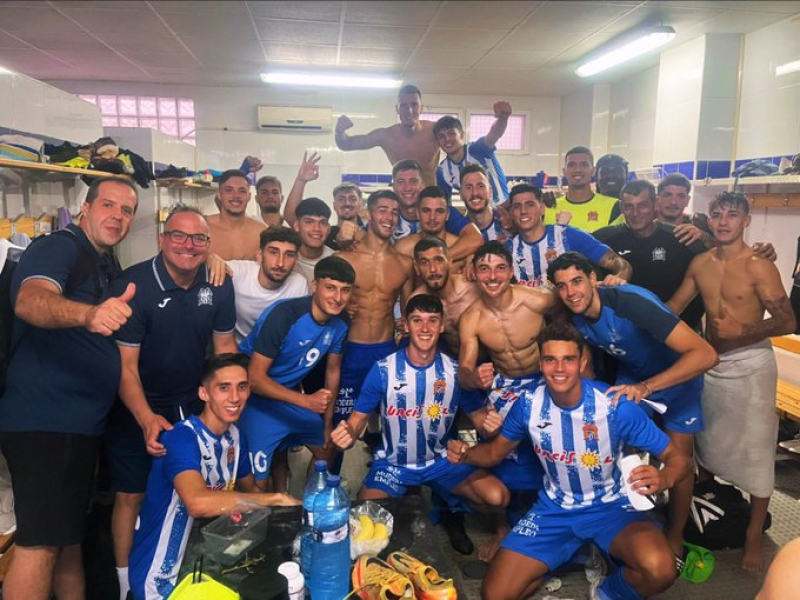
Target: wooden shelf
x=748, y=181
x=790, y=343
x=54, y=172
x=186, y=184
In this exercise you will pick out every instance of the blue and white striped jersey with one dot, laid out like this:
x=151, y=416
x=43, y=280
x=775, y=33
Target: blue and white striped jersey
x=448, y=174
x=160, y=540
x=417, y=407
x=532, y=258
x=580, y=448
x=495, y=230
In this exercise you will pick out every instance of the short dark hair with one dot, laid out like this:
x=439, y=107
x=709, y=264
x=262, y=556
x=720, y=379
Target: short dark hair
x=336, y=268
x=183, y=208
x=472, y=168
x=524, y=188
x=493, y=248
x=373, y=198
x=579, y=150
x=567, y=260
x=427, y=243
x=732, y=200
x=611, y=159
x=278, y=233
x=560, y=332
x=433, y=191
x=312, y=207
x=675, y=179
x=346, y=186
x=94, y=189
x=427, y=303
x=447, y=122
x=231, y=173
x=408, y=164
x=268, y=179
x=409, y=89
x=221, y=361
x=636, y=187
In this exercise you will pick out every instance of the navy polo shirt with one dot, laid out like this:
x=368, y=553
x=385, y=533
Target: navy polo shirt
x=172, y=327
x=60, y=380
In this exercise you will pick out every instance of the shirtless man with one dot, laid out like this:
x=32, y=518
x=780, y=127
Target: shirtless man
x=269, y=197
x=382, y=276
x=433, y=208
x=433, y=267
x=234, y=235
x=407, y=183
x=408, y=139
x=738, y=400
x=506, y=320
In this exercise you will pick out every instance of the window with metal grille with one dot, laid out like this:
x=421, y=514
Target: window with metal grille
x=513, y=138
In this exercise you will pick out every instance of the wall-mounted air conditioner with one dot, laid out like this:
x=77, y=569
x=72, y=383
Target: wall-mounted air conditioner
x=295, y=118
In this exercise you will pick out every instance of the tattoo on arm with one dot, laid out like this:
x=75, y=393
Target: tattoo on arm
x=617, y=265
x=781, y=321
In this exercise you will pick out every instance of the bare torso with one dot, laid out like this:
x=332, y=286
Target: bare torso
x=402, y=143
x=235, y=240
x=406, y=246
x=456, y=299
x=380, y=277
x=728, y=286
x=510, y=335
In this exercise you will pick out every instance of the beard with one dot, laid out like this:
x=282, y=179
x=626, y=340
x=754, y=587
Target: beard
x=270, y=209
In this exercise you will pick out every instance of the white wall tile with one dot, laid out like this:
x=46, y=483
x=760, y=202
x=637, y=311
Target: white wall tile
x=717, y=126
x=633, y=113
x=576, y=118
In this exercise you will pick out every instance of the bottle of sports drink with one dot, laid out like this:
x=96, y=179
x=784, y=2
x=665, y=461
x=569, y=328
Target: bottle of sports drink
x=330, y=554
x=314, y=485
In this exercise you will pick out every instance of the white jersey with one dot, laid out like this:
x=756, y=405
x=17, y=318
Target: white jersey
x=252, y=299
x=580, y=448
x=305, y=266
x=417, y=404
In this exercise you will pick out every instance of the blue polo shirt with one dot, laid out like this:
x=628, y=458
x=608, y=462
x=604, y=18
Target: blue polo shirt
x=60, y=380
x=172, y=327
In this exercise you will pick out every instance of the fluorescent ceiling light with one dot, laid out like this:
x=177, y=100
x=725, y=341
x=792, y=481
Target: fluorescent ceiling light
x=649, y=40
x=327, y=79
x=787, y=68
x=4, y=70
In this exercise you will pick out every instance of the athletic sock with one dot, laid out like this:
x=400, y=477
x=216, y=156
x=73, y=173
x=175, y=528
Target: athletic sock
x=616, y=588
x=124, y=585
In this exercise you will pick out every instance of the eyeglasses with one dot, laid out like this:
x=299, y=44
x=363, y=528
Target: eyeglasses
x=179, y=237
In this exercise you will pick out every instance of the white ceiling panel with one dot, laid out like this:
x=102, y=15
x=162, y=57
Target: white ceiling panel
x=440, y=38
x=309, y=56
x=10, y=41
x=488, y=15
x=377, y=36
x=780, y=7
x=222, y=31
x=13, y=18
x=391, y=13
x=375, y=56
x=298, y=32
x=515, y=60
x=317, y=11
x=423, y=77
x=208, y=9
x=101, y=4
x=577, y=17
x=47, y=40
x=445, y=58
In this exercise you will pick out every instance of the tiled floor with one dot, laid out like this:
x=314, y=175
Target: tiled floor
x=729, y=582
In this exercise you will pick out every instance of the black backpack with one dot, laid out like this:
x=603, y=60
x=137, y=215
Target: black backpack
x=719, y=516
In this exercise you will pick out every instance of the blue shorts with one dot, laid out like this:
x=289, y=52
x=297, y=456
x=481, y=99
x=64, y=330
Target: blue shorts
x=684, y=412
x=552, y=535
x=521, y=469
x=358, y=359
x=441, y=476
x=272, y=424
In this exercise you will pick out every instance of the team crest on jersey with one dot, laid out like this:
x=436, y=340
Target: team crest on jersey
x=550, y=255
x=590, y=432
x=327, y=338
x=659, y=253
x=592, y=216
x=205, y=297
x=439, y=386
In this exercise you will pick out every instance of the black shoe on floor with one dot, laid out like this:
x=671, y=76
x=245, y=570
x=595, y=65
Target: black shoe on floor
x=453, y=524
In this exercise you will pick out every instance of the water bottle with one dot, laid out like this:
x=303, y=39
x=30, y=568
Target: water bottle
x=330, y=551
x=314, y=485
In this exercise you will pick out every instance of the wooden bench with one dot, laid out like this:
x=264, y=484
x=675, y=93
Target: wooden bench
x=787, y=396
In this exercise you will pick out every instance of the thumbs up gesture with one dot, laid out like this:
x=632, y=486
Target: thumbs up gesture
x=107, y=317
x=726, y=327
x=342, y=437
x=492, y=422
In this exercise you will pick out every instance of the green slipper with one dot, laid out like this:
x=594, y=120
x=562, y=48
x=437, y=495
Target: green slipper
x=699, y=564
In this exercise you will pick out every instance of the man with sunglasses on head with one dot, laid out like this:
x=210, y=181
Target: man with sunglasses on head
x=176, y=313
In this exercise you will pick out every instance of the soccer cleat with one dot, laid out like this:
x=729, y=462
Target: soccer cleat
x=427, y=582
x=373, y=579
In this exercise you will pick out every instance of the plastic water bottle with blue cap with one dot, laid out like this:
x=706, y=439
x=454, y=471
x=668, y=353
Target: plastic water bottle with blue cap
x=330, y=555
x=314, y=485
